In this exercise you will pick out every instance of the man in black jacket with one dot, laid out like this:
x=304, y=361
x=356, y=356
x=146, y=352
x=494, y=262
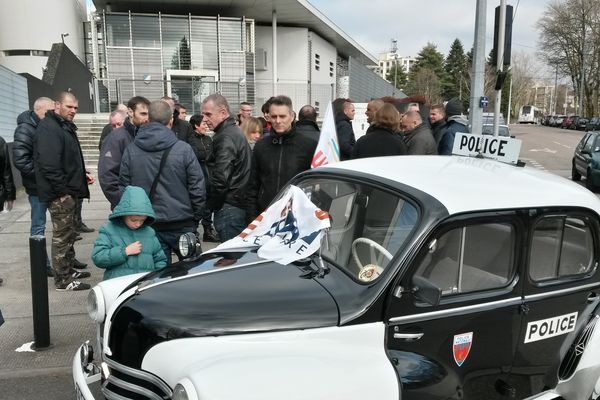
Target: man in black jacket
x=61, y=180
x=22, y=150
x=343, y=110
x=228, y=167
x=114, y=146
x=307, y=123
x=279, y=157
x=179, y=195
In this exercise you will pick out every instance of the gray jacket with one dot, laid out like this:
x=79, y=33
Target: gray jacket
x=420, y=141
x=180, y=194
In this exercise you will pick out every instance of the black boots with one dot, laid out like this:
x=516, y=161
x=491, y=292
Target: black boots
x=210, y=235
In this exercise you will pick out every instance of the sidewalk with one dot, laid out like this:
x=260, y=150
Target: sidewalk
x=69, y=322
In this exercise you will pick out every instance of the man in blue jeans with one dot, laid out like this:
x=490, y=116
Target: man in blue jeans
x=228, y=168
x=22, y=149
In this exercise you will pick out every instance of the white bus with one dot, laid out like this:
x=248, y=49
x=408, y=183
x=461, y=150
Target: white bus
x=530, y=115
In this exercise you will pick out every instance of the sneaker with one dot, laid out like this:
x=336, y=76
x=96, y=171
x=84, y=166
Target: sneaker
x=83, y=228
x=210, y=235
x=80, y=275
x=78, y=237
x=79, y=265
x=74, y=286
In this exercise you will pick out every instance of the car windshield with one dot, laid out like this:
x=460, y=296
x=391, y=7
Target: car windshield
x=369, y=225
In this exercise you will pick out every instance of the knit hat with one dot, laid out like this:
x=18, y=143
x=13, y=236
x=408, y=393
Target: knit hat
x=454, y=107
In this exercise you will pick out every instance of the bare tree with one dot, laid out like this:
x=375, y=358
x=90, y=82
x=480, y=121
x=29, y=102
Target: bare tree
x=570, y=42
x=523, y=73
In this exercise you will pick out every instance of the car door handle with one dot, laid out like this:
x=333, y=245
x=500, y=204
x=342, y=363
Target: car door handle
x=408, y=336
x=592, y=297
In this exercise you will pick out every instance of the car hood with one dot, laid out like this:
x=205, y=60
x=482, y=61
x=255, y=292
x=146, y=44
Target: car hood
x=218, y=296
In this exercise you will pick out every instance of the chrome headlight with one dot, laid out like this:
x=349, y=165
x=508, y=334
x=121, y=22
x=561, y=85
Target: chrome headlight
x=95, y=305
x=185, y=390
x=187, y=245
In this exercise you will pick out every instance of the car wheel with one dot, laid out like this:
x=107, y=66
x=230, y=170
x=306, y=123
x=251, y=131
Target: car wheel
x=575, y=176
x=588, y=181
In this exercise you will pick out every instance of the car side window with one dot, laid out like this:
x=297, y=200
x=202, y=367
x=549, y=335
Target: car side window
x=589, y=144
x=582, y=142
x=470, y=258
x=561, y=246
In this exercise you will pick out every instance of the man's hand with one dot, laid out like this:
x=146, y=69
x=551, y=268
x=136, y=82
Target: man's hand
x=134, y=248
x=90, y=178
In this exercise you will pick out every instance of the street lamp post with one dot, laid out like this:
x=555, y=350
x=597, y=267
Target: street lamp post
x=63, y=36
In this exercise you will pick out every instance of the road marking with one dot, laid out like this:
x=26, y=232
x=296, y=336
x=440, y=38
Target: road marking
x=563, y=145
x=534, y=164
x=544, y=150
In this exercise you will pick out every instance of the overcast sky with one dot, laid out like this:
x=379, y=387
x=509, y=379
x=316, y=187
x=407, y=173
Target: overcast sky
x=373, y=23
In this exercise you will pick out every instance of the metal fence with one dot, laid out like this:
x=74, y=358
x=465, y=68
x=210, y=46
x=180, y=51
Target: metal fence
x=188, y=91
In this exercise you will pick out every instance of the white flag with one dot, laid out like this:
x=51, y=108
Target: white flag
x=328, y=149
x=289, y=230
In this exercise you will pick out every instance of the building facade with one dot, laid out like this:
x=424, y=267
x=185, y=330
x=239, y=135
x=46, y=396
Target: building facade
x=28, y=28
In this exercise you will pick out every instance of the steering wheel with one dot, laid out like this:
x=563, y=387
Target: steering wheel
x=373, y=246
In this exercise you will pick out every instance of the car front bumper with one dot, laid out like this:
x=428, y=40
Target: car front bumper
x=85, y=374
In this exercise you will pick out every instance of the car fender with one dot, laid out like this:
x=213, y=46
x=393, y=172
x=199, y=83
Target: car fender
x=324, y=363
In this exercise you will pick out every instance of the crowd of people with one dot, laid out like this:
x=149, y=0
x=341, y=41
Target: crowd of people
x=218, y=171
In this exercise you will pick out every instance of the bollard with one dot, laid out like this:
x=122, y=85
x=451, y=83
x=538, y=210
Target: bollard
x=39, y=292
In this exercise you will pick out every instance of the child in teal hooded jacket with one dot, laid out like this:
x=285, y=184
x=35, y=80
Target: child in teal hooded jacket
x=127, y=244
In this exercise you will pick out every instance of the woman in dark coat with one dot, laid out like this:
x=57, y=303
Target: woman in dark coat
x=382, y=139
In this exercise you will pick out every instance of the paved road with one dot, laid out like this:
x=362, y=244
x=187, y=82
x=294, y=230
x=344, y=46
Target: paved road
x=547, y=148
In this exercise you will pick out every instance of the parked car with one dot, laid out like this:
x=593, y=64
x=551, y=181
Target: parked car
x=546, y=120
x=488, y=118
x=558, y=120
x=593, y=124
x=440, y=278
x=579, y=124
x=586, y=160
x=488, y=129
x=568, y=121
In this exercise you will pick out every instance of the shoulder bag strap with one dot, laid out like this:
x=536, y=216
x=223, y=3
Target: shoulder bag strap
x=163, y=160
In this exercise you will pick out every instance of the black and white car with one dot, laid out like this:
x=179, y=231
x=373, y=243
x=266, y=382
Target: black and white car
x=483, y=283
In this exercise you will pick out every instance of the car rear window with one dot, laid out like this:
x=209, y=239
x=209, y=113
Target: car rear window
x=561, y=247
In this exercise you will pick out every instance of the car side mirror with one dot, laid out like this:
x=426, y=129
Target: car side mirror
x=426, y=291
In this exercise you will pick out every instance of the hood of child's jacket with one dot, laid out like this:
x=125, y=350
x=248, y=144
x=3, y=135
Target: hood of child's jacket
x=134, y=201
x=154, y=136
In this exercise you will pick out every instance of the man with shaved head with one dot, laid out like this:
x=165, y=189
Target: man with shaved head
x=22, y=150
x=372, y=107
x=417, y=135
x=61, y=181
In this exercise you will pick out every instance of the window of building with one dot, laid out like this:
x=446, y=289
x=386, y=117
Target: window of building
x=470, y=258
x=331, y=69
x=9, y=53
x=561, y=246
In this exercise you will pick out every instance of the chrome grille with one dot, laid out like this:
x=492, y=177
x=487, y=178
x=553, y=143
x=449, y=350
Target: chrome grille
x=126, y=383
x=571, y=359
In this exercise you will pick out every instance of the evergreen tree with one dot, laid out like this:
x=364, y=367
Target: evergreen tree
x=182, y=57
x=397, y=75
x=456, y=72
x=429, y=58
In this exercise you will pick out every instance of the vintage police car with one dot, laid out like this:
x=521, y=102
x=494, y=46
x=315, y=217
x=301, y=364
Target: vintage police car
x=439, y=278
